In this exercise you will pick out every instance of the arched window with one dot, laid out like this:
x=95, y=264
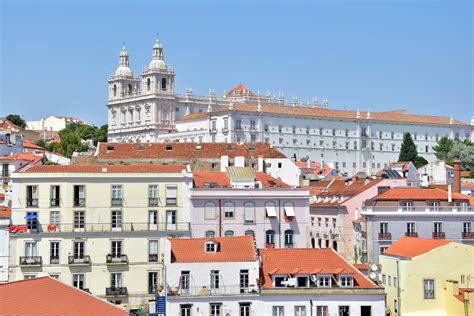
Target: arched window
x=163, y=84
x=288, y=238
x=210, y=233
x=229, y=233
x=115, y=90
x=249, y=212
x=148, y=84
x=249, y=233
x=129, y=89
x=270, y=238
x=229, y=210
x=210, y=210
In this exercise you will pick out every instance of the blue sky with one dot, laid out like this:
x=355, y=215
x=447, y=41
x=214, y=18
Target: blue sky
x=379, y=55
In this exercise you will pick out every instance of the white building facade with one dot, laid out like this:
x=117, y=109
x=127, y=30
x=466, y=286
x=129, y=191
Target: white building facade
x=148, y=109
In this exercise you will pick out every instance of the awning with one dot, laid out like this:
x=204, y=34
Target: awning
x=289, y=210
x=271, y=212
x=31, y=216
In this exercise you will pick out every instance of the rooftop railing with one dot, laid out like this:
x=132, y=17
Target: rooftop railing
x=418, y=209
x=207, y=291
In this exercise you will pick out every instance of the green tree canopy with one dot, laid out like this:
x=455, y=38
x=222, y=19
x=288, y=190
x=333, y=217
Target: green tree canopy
x=17, y=120
x=408, y=150
x=420, y=162
x=464, y=153
x=443, y=148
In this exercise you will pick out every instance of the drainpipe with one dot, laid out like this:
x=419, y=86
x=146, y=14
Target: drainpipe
x=279, y=223
x=399, y=303
x=220, y=218
x=311, y=307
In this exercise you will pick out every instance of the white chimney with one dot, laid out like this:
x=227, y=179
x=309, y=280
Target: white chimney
x=308, y=163
x=224, y=163
x=239, y=161
x=331, y=164
x=450, y=193
x=260, y=164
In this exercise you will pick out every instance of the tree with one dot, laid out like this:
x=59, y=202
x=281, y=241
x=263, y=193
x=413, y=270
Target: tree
x=17, y=120
x=408, y=150
x=420, y=162
x=101, y=134
x=463, y=153
x=443, y=148
x=41, y=143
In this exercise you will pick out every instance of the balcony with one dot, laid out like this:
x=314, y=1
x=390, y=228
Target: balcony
x=54, y=202
x=31, y=261
x=117, y=259
x=32, y=202
x=385, y=236
x=79, y=261
x=152, y=201
x=221, y=291
x=152, y=258
x=116, y=201
x=213, y=130
x=411, y=234
x=79, y=202
x=54, y=260
x=116, y=291
x=467, y=235
x=439, y=235
x=416, y=209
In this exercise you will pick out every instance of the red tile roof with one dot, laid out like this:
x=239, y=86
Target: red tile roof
x=409, y=193
x=26, y=156
x=410, y=247
x=30, y=144
x=321, y=261
x=460, y=296
x=221, y=180
x=5, y=212
x=230, y=249
x=124, y=151
x=4, y=124
x=47, y=296
x=239, y=91
x=314, y=168
x=303, y=111
x=194, y=116
x=143, y=168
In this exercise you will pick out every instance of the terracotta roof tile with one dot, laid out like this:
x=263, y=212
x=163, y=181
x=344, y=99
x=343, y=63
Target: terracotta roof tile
x=460, y=296
x=47, y=296
x=230, y=249
x=413, y=193
x=221, y=180
x=320, y=261
x=30, y=144
x=193, y=116
x=239, y=91
x=410, y=247
x=314, y=168
x=135, y=168
x=5, y=212
x=124, y=151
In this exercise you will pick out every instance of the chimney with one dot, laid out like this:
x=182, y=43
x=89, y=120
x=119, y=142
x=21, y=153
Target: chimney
x=382, y=189
x=308, y=163
x=224, y=163
x=452, y=287
x=322, y=164
x=457, y=176
x=260, y=164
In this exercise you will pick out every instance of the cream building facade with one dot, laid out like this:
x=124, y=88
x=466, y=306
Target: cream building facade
x=99, y=228
x=148, y=109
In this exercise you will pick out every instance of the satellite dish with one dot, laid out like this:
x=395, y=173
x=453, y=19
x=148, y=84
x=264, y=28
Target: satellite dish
x=373, y=275
x=314, y=278
x=374, y=267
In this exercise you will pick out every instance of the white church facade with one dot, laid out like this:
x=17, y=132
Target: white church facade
x=148, y=109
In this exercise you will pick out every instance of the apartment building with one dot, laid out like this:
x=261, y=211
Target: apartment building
x=5, y=215
x=241, y=202
x=416, y=212
x=100, y=228
x=428, y=277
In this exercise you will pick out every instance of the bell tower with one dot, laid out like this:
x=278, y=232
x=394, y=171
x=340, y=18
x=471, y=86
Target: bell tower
x=158, y=78
x=123, y=83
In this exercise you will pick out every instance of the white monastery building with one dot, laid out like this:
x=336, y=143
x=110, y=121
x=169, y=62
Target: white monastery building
x=148, y=109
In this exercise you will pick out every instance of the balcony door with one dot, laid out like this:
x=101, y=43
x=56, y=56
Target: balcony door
x=79, y=250
x=30, y=249
x=170, y=220
x=153, y=220
x=115, y=280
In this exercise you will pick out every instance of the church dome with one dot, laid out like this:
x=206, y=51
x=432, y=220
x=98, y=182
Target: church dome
x=157, y=64
x=123, y=71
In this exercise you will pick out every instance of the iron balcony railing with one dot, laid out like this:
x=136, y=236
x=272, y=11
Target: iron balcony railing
x=208, y=291
x=79, y=202
x=32, y=202
x=31, y=261
x=152, y=258
x=417, y=209
x=54, y=202
x=153, y=201
x=79, y=260
x=467, y=235
x=116, y=202
x=411, y=234
x=439, y=235
x=54, y=260
x=117, y=259
x=116, y=291
x=385, y=236
x=101, y=228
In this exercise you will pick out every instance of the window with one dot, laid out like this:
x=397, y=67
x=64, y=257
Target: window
x=152, y=282
x=117, y=195
x=464, y=206
x=171, y=195
x=435, y=206
x=278, y=311
x=78, y=281
x=229, y=208
x=54, y=252
x=288, y=238
x=466, y=227
x=170, y=220
x=78, y=249
x=389, y=279
x=300, y=310
x=116, y=220
x=153, y=251
x=148, y=84
x=343, y=310
x=214, y=279
x=384, y=279
x=270, y=209
x=437, y=227
x=32, y=196
x=163, y=84
x=407, y=205
x=210, y=233
x=428, y=289
x=324, y=281
x=185, y=309
x=226, y=124
x=79, y=220
x=153, y=195
x=244, y=281
x=30, y=249
x=116, y=280
x=210, y=210
x=116, y=248
x=215, y=309
x=54, y=276
x=54, y=201
x=383, y=228
x=411, y=229
x=249, y=212
x=270, y=237
x=252, y=125
x=153, y=220
x=115, y=90
x=238, y=124
x=185, y=280
x=253, y=138
x=244, y=309
x=79, y=195
x=278, y=281
x=229, y=233
x=302, y=281
x=32, y=221
x=346, y=281
x=322, y=311
x=249, y=233
x=54, y=218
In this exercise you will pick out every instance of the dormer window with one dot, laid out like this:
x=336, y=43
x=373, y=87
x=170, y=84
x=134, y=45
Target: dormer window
x=211, y=246
x=324, y=281
x=346, y=281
